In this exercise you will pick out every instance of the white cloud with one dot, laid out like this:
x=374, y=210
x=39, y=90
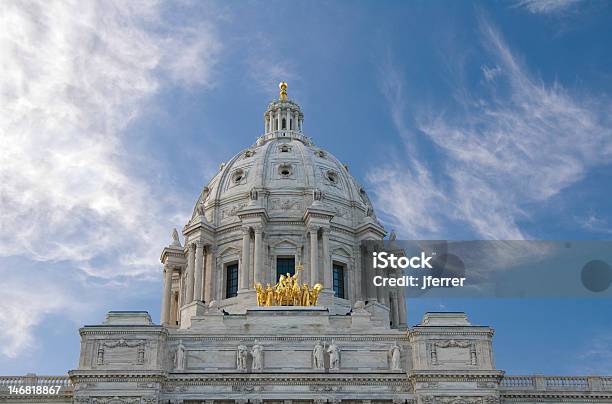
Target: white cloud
x=596, y=357
x=594, y=223
x=74, y=76
x=503, y=153
x=490, y=73
x=547, y=6
x=265, y=65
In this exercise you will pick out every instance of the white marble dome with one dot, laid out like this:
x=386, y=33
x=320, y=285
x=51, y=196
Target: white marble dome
x=284, y=167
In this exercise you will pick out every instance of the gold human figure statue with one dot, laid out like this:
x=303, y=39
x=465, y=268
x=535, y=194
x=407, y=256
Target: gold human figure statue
x=296, y=294
x=305, y=295
x=279, y=291
x=288, y=296
x=269, y=295
x=261, y=294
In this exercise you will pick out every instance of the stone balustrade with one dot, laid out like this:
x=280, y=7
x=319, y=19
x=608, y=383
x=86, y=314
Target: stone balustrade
x=35, y=380
x=557, y=383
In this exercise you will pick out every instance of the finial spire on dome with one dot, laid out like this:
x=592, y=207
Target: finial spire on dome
x=283, y=90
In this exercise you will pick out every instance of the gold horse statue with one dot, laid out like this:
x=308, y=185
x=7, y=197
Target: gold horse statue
x=288, y=292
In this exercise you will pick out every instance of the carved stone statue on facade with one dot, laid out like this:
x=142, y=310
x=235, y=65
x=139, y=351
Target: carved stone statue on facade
x=179, y=359
x=318, y=361
x=175, y=238
x=317, y=195
x=334, y=356
x=201, y=209
x=253, y=194
x=395, y=354
x=241, y=358
x=257, y=354
x=473, y=355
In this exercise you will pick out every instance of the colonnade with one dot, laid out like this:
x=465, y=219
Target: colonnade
x=199, y=278
x=273, y=120
x=255, y=243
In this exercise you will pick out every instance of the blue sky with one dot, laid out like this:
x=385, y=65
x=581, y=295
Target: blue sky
x=464, y=120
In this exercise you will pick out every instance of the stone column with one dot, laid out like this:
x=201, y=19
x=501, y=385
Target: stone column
x=395, y=309
x=314, y=256
x=370, y=289
x=288, y=118
x=209, y=284
x=270, y=126
x=199, y=269
x=190, y=274
x=174, y=308
x=327, y=268
x=165, y=314
x=257, y=264
x=401, y=305
x=243, y=271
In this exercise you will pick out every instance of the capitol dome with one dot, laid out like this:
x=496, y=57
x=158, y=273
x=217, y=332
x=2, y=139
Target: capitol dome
x=285, y=168
x=282, y=205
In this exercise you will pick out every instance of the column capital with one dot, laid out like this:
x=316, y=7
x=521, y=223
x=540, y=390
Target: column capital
x=199, y=244
x=246, y=230
x=258, y=229
x=313, y=229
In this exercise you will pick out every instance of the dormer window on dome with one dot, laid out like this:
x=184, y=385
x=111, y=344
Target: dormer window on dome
x=239, y=177
x=285, y=170
x=332, y=176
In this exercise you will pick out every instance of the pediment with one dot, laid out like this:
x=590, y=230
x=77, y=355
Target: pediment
x=229, y=251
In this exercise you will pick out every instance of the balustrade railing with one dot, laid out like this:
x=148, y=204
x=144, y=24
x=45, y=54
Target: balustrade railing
x=556, y=383
x=35, y=380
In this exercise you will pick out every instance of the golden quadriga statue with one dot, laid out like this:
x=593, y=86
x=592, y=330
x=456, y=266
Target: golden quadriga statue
x=287, y=292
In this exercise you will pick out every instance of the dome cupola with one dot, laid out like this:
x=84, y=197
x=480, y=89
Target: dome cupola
x=283, y=118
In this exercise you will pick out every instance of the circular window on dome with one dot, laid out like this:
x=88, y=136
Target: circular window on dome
x=285, y=170
x=331, y=176
x=320, y=153
x=239, y=176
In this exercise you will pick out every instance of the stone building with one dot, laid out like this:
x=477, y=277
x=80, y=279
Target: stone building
x=285, y=206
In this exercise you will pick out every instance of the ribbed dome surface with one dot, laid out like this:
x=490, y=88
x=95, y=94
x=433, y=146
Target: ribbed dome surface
x=285, y=168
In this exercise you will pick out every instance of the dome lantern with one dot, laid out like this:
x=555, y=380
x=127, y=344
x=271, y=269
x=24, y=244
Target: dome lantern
x=283, y=116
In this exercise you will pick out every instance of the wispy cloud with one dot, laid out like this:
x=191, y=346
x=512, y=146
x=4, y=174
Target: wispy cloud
x=547, y=7
x=394, y=184
x=506, y=148
x=74, y=76
x=265, y=64
x=596, y=358
x=594, y=223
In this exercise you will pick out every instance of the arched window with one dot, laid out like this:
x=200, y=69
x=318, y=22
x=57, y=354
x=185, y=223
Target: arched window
x=284, y=123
